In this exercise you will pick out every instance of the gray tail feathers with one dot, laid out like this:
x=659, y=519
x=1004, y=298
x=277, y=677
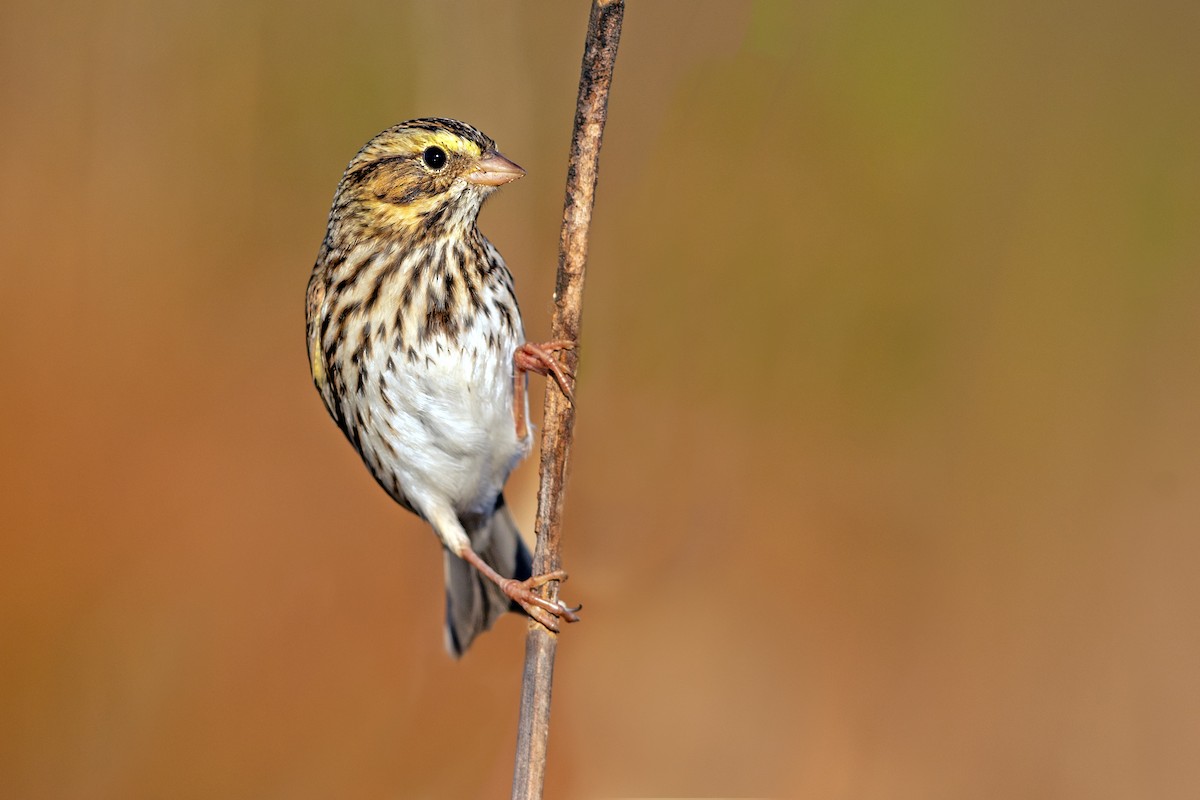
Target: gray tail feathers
x=473, y=602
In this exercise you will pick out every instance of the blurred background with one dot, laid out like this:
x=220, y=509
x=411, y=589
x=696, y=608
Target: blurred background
x=887, y=472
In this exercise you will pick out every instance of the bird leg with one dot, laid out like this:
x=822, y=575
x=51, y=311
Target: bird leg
x=537, y=358
x=547, y=612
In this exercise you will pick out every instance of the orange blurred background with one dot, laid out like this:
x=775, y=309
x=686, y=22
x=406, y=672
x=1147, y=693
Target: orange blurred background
x=886, y=473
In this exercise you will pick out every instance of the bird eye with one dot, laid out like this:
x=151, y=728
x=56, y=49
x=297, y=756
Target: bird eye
x=434, y=157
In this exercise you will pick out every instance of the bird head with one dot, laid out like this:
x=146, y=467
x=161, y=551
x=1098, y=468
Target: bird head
x=424, y=175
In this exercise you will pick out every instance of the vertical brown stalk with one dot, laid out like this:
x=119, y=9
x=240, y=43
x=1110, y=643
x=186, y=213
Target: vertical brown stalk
x=599, y=56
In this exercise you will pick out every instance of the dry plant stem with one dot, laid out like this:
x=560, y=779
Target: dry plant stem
x=599, y=56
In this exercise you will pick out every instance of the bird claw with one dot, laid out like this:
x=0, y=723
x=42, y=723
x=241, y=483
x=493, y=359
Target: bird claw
x=537, y=358
x=547, y=612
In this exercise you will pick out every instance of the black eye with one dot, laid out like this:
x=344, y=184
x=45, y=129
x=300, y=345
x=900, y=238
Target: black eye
x=435, y=157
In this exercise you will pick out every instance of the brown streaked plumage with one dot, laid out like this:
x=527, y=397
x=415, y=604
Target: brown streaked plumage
x=417, y=349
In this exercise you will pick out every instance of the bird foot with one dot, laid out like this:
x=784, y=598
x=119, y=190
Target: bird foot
x=537, y=358
x=547, y=612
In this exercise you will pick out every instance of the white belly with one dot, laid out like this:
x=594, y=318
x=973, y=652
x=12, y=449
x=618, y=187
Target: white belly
x=442, y=423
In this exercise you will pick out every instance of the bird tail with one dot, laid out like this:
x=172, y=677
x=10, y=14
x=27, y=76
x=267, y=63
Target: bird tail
x=474, y=603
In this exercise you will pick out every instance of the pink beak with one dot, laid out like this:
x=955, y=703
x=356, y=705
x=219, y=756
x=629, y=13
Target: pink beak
x=494, y=170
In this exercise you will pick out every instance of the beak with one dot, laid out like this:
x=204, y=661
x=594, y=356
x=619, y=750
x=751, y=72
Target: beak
x=494, y=170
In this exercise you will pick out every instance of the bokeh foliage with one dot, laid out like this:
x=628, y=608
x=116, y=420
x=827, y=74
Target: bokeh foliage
x=886, y=473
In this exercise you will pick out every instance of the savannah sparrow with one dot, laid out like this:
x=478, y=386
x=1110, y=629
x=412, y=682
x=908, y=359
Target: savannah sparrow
x=416, y=346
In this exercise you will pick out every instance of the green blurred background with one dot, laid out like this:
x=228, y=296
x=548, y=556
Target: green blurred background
x=886, y=476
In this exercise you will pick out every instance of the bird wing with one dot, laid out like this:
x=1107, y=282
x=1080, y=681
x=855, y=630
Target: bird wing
x=315, y=311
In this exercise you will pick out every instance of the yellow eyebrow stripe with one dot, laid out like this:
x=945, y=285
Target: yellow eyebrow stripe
x=448, y=141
